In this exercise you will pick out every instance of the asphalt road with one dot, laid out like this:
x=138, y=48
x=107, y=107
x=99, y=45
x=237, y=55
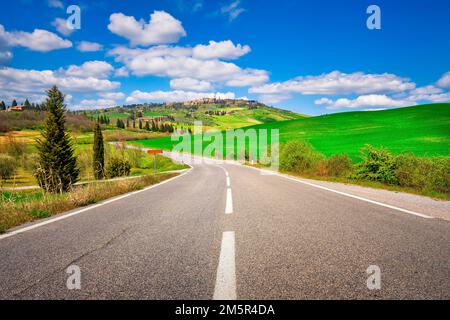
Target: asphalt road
x=267, y=238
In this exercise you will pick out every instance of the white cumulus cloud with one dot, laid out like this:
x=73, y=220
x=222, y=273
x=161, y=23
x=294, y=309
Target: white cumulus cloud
x=112, y=95
x=95, y=104
x=95, y=69
x=86, y=46
x=220, y=50
x=174, y=96
x=162, y=28
x=372, y=100
x=21, y=82
x=190, y=84
x=444, y=81
x=122, y=72
x=337, y=82
x=178, y=62
x=38, y=40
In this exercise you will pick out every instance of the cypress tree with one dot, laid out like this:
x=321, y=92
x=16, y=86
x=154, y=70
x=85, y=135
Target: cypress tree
x=14, y=103
x=2, y=105
x=147, y=126
x=140, y=124
x=57, y=168
x=99, y=153
x=27, y=104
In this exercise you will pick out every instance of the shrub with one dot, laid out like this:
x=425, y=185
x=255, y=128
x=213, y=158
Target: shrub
x=378, y=165
x=7, y=167
x=339, y=165
x=426, y=174
x=299, y=156
x=118, y=167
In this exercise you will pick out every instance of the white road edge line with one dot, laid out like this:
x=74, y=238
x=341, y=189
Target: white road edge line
x=344, y=194
x=225, y=288
x=361, y=198
x=66, y=216
x=229, y=205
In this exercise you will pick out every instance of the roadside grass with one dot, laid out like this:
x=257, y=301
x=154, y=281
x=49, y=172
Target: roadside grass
x=20, y=207
x=365, y=183
x=379, y=168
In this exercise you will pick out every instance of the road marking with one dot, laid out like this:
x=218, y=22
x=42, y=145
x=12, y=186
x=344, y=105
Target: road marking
x=421, y=215
x=66, y=216
x=359, y=198
x=225, y=288
x=229, y=204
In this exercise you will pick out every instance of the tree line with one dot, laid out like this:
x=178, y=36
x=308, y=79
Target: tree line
x=155, y=126
x=28, y=106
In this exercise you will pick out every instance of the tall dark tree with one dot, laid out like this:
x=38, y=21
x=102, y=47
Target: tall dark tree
x=27, y=104
x=2, y=105
x=99, y=153
x=14, y=103
x=147, y=126
x=120, y=124
x=57, y=168
x=140, y=124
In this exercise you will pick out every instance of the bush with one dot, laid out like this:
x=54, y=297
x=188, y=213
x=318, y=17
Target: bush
x=118, y=167
x=299, y=156
x=426, y=174
x=7, y=167
x=378, y=165
x=339, y=165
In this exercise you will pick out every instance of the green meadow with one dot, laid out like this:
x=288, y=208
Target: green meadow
x=423, y=130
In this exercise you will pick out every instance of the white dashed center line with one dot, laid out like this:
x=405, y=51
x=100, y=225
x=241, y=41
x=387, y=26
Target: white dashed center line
x=225, y=288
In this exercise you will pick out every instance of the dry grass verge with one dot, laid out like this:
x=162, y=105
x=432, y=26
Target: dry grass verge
x=23, y=207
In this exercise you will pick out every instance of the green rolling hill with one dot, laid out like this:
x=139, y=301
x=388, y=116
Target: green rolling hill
x=423, y=130
x=220, y=114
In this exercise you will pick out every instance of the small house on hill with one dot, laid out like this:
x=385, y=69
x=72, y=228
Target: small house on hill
x=17, y=108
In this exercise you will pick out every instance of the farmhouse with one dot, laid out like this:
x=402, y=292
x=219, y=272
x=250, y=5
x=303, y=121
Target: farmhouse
x=17, y=108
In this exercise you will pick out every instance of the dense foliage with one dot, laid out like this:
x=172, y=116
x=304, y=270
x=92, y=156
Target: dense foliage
x=99, y=153
x=118, y=167
x=57, y=168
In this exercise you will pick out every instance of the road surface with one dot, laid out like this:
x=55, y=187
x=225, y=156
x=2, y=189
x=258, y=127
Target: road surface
x=224, y=231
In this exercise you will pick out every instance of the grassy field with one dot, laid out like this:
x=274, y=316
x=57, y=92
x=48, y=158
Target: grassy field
x=25, y=206
x=423, y=130
x=142, y=164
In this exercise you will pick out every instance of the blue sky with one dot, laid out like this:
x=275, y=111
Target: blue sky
x=312, y=57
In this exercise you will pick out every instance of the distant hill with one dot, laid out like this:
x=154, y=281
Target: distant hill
x=214, y=113
x=423, y=130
